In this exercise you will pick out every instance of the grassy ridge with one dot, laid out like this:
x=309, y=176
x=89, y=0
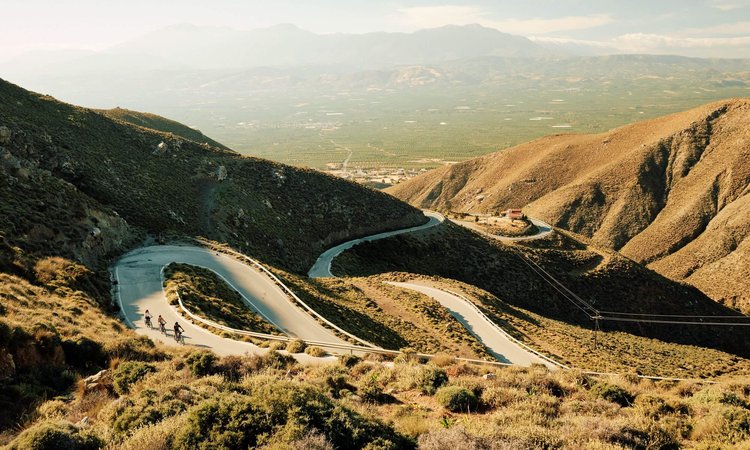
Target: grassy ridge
x=159, y=123
x=210, y=297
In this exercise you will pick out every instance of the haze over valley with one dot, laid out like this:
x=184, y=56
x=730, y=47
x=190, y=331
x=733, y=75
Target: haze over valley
x=374, y=225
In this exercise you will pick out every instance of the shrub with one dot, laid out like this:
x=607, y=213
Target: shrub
x=230, y=367
x=371, y=390
x=128, y=373
x=431, y=378
x=146, y=409
x=613, y=393
x=275, y=360
x=158, y=436
x=652, y=406
x=407, y=356
x=728, y=424
x=232, y=420
x=380, y=444
x=718, y=394
x=348, y=360
x=453, y=438
x=499, y=396
x=296, y=346
x=201, y=363
x=54, y=436
x=316, y=352
x=274, y=346
x=443, y=360
x=456, y=398
x=84, y=353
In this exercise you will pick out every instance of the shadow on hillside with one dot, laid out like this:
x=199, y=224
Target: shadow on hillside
x=453, y=252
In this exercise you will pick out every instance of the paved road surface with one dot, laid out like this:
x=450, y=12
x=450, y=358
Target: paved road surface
x=544, y=230
x=496, y=340
x=322, y=267
x=139, y=288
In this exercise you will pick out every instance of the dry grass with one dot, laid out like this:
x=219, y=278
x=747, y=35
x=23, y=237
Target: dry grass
x=513, y=408
x=536, y=312
x=657, y=190
x=204, y=293
x=387, y=316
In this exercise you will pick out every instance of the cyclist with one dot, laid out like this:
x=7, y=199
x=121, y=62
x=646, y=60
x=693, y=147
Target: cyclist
x=178, y=330
x=147, y=317
x=162, y=324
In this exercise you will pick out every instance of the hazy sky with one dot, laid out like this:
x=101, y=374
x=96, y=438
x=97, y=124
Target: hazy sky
x=692, y=27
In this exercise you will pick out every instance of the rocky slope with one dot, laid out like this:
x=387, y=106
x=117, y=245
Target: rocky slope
x=671, y=193
x=77, y=183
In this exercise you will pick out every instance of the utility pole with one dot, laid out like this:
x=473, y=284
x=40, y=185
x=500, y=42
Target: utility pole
x=596, y=327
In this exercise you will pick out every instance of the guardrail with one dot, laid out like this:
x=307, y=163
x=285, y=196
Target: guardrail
x=371, y=348
x=505, y=333
x=295, y=297
x=334, y=345
x=382, y=351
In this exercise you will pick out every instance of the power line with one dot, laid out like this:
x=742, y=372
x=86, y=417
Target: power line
x=565, y=287
x=736, y=316
x=595, y=314
x=675, y=322
x=583, y=309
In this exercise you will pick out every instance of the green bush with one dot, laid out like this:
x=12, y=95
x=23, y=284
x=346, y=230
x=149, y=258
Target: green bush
x=54, y=436
x=431, y=378
x=201, y=363
x=370, y=389
x=296, y=346
x=145, y=410
x=717, y=394
x=128, y=373
x=456, y=398
x=613, y=393
x=278, y=412
x=276, y=360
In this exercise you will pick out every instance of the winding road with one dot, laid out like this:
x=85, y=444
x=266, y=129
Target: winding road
x=139, y=288
x=544, y=229
x=322, y=267
x=502, y=346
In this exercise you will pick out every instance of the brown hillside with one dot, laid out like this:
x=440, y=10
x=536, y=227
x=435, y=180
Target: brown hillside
x=670, y=192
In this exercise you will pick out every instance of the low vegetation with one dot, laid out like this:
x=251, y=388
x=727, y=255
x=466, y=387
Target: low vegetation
x=272, y=402
x=511, y=294
x=387, y=316
x=205, y=294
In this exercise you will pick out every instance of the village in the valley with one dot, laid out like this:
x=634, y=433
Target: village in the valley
x=380, y=177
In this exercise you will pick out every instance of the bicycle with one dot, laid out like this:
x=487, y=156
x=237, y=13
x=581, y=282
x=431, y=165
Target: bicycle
x=148, y=321
x=179, y=337
x=163, y=329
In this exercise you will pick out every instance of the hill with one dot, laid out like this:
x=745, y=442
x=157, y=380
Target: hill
x=119, y=180
x=672, y=193
x=78, y=188
x=161, y=124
